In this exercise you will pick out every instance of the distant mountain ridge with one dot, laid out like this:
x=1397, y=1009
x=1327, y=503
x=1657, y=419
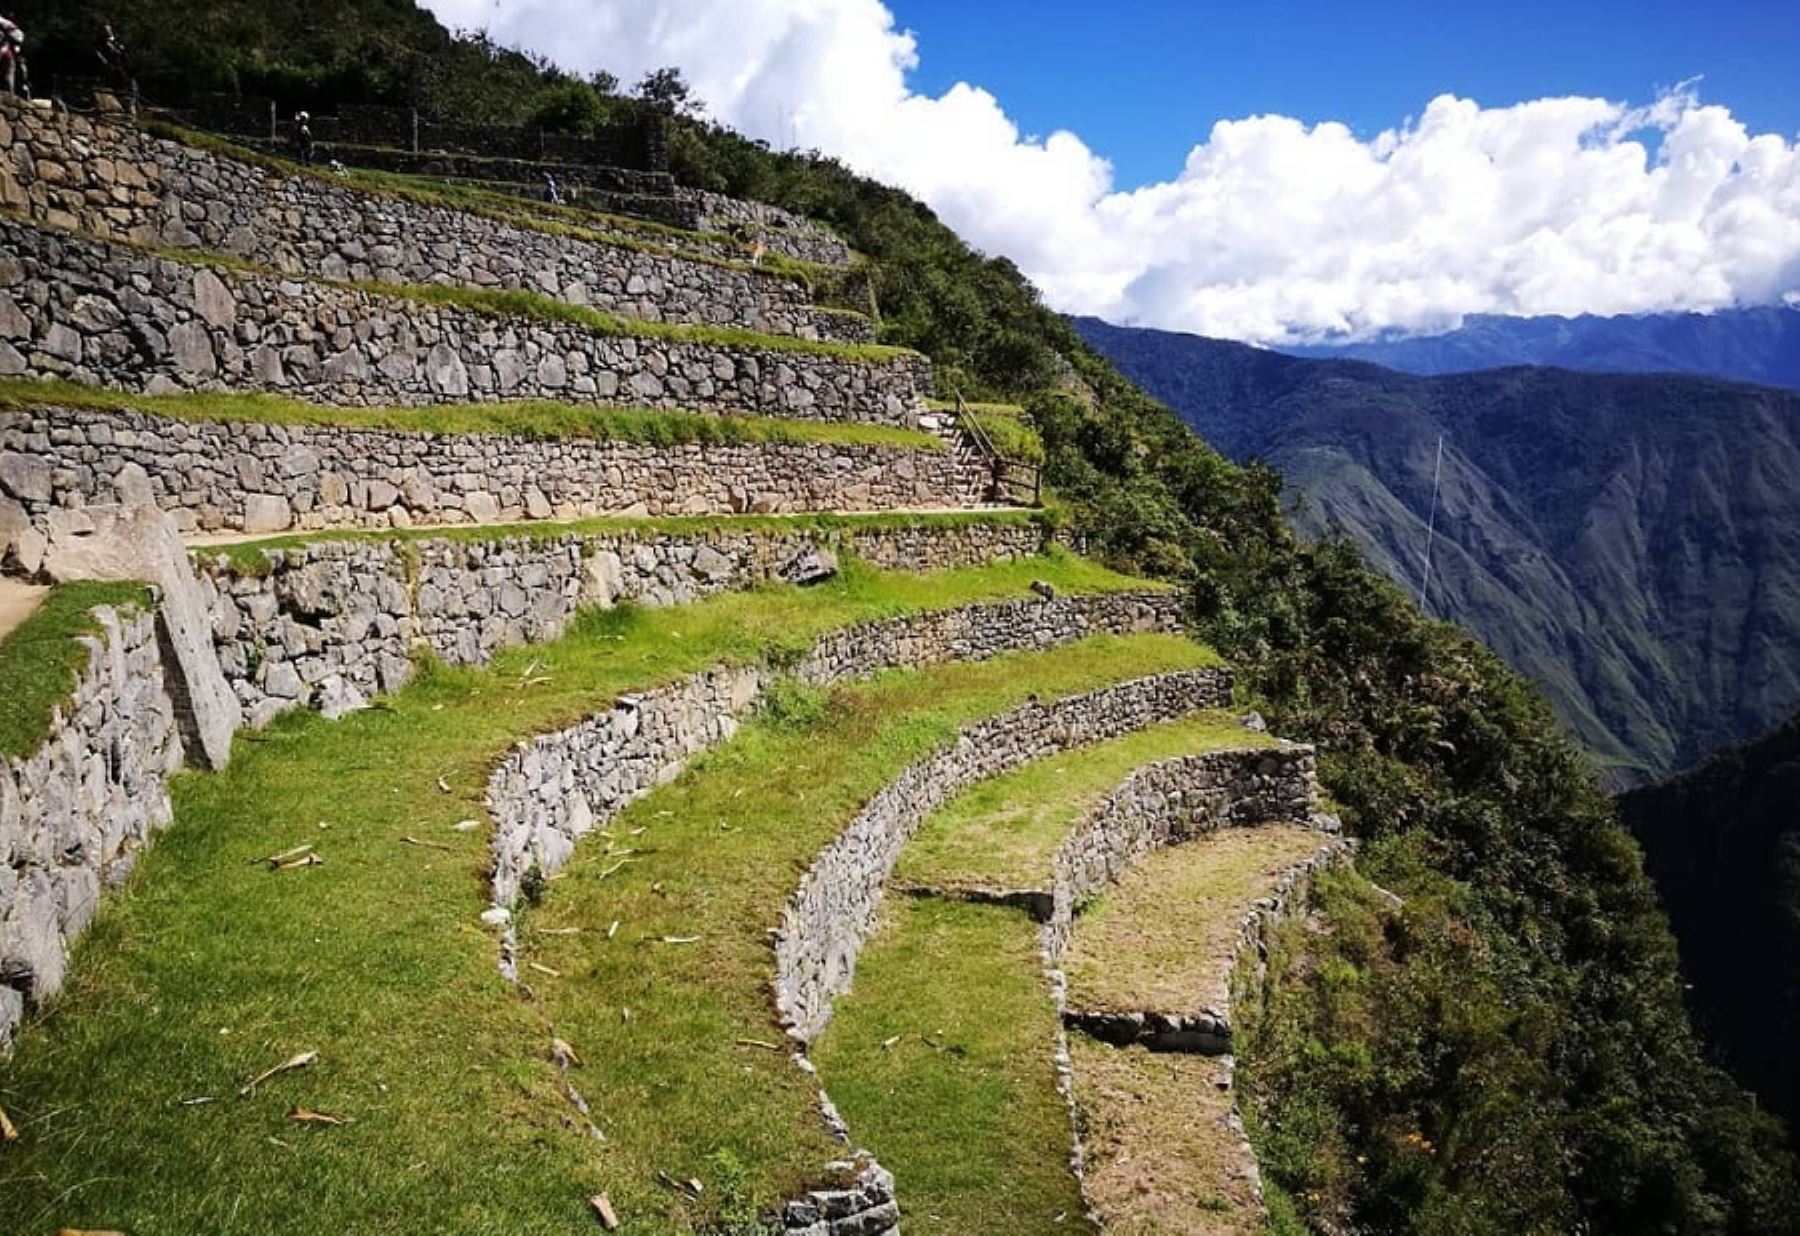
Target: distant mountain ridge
x=1759, y=345
x=1631, y=542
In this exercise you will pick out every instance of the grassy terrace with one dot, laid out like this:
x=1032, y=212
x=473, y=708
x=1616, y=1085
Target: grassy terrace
x=499, y=303
x=571, y=221
x=253, y=555
x=535, y=419
x=210, y=967
x=940, y=1060
x=40, y=660
x=691, y=1069
x=1003, y=833
x=1127, y=955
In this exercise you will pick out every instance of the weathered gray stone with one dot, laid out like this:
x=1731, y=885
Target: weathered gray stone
x=266, y=513
x=25, y=476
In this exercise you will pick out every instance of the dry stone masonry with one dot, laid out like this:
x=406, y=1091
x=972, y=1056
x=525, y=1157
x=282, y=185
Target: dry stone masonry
x=111, y=180
x=332, y=624
x=110, y=315
x=782, y=231
x=1173, y=801
x=246, y=476
x=554, y=788
x=74, y=814
x=833, y=912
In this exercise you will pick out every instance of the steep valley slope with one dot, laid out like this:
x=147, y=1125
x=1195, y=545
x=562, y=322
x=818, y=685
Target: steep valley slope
x=1722, y=842
x=1630, y=542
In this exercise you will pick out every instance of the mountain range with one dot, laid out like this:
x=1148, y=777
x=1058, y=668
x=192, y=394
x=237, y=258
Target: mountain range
x=1629, y=541
x=1759, y=344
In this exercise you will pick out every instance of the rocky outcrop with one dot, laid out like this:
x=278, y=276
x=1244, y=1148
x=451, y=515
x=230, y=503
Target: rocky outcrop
x=75, y=813
x=111, y=315
x=110, y=179
x=245, y=476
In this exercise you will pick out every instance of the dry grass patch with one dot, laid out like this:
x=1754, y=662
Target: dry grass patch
x=1162, y=1157
x=1003, y=833
x=1162, y=939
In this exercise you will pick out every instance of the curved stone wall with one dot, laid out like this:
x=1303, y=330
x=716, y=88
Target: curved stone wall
x=554, y=788
x=833, y=912
x=112, y=180
x=110, y=315
x=74, y=814
x=1173, y=801
x=242, y=476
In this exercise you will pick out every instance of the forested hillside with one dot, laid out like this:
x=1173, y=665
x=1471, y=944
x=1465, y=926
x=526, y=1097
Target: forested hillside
x=1628, y=542
x=1722, y=843
x=1521, y=1059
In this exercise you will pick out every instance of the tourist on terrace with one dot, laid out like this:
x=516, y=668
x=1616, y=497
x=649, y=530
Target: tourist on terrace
x=552, y=194
x=13, y=73
x=109, y=52
x=303, y=138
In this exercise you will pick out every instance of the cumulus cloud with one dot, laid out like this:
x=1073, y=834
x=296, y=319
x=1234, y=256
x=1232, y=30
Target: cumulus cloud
x=1272, y=230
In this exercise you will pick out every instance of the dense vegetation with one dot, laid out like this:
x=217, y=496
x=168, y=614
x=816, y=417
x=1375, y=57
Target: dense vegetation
x=1722, y=843
x=1519, y=1058
x=1625, y=540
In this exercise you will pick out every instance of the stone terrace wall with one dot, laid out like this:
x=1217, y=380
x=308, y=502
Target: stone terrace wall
x=253, y=477
x=74, y=813
x=116, y=182
x=1172, y=801
x=554, y=788
x=833, y=911
x=332, y=624
x=782, y=231
x=110, y=315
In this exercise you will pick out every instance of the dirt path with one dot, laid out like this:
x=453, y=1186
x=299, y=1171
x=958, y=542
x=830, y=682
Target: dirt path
x=18, y=601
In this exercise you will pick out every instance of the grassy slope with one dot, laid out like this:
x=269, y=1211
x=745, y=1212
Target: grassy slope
x=721, y=851
x=1004, y=832
x=210, y=968
x=524, y=419
x=963, y=1108
x=40, y=659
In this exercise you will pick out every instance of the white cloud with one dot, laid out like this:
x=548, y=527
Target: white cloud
x=1271, y=230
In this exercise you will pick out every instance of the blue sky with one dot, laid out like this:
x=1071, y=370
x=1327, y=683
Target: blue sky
x=1249, y=172
x=1141, y=81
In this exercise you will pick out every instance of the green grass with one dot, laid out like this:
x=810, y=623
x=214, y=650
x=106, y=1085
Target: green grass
x=209, y=967
x=1127, y=954
x=1005, y=424
x=522, y=303
x=720, y=850
x=534, y=419
x=1003, y=833
x=963, y=1108
x=253, y=555
x=40, y=659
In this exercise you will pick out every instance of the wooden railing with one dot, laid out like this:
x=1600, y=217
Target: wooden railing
x=1014, y=480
